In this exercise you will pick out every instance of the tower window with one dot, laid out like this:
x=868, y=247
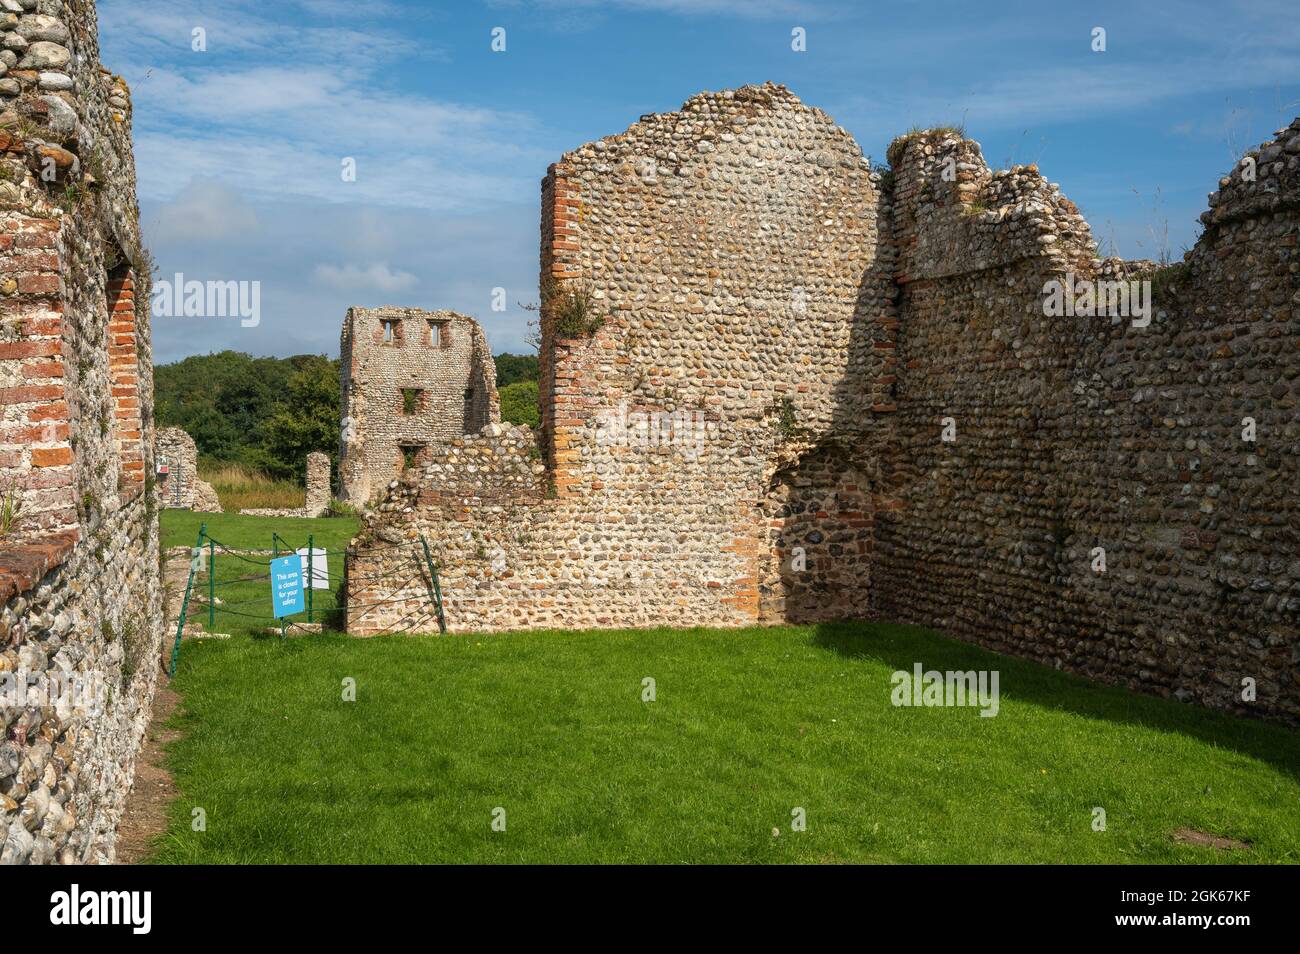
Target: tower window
x=439, y=334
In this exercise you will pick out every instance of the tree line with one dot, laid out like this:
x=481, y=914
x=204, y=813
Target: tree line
x=267, y=414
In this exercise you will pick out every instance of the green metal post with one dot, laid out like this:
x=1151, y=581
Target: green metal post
x=212, y=587
x=437, y=588
x=275, y=548
x=185, y=603
x=311, y=581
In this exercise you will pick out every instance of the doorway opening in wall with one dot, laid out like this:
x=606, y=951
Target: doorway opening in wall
x=411, y=455
x=170, y=479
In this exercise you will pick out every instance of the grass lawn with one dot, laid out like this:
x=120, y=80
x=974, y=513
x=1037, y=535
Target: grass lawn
x=238, y=487
x=242, y=582
x=180, y=528
x=747, y=725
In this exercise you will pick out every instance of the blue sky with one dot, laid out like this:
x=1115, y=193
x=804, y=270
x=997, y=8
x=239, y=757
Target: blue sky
x=239, y=148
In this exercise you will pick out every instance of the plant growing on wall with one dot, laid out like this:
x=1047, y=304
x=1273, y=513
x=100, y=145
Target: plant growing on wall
x=1165, y=278
x=573, y=308
x=11, y=506
x=786, y=420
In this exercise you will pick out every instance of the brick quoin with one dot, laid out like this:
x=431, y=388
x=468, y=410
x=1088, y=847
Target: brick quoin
x=53, y=457
x=43, y=238
x=124, y=364
x=29, y=349
x=28, y=393
x=42, y=370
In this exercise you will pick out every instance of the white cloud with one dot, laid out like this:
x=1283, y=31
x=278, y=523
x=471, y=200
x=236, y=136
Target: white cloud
x=205, y=209
x=1098, y=92
x=274, y=131
x=458, y=260
x=378, y=277
x=740, y=9
x=162, y=28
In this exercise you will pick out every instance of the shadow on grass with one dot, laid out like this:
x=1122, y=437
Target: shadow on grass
x=901, y=647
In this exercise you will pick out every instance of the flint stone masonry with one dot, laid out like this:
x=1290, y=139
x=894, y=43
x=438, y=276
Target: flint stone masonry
x=318, y=484
x=1079, y=433
x=180, y=486
x=411, y=379
x=733, y=250
x=80, y=594
x=827, y=321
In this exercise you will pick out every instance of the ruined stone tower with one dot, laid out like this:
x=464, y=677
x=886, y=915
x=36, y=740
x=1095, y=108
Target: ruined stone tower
x=411, y=380
x=80, y=596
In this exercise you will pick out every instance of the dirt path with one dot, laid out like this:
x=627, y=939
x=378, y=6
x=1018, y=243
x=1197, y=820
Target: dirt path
x=145, y=816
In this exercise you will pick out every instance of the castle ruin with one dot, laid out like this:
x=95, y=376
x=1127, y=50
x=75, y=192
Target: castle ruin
x=179, y=484
x=781, y=384
x=316, y=496
x=80, y=592
x=411, y=380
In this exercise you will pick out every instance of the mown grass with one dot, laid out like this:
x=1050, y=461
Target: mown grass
x=239, y=487
x=747, y=725
x=240, y=581
x=181, y=528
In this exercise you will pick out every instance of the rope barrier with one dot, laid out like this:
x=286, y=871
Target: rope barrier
x=329, y=550
x=261, y=619
x=257, y=599
x=396, y=599
x=226, y=607
x=353, y=578
x=270, y=620
x=194, y=609
x=332, y=576
x=240, y=556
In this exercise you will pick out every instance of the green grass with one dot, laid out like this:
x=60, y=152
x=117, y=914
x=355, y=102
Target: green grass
x=181, y=528
x=747, y=725
x=239, y=487
x=241, y=582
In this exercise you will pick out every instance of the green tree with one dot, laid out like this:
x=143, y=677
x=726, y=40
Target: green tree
x=519, y=403
x=306, y=419
x=515, y=367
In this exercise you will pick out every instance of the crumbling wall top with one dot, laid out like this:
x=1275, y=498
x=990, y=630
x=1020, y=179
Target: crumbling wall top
x=953, y=214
